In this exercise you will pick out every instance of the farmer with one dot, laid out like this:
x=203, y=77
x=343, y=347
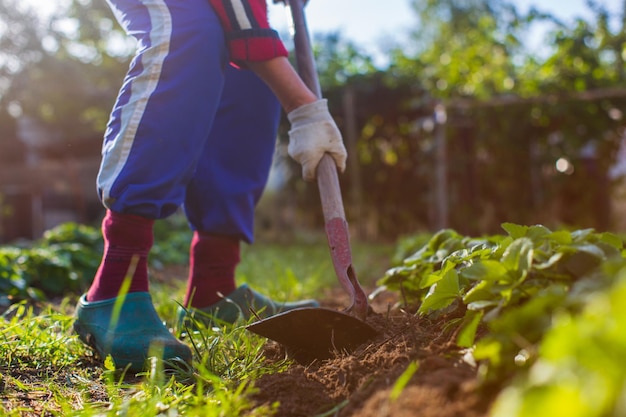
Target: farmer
x=194, y=124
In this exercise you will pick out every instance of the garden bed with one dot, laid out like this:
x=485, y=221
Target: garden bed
x=378, y=379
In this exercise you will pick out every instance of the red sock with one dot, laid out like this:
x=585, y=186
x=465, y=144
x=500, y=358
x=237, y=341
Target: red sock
x=125, y=236
x=212, y=264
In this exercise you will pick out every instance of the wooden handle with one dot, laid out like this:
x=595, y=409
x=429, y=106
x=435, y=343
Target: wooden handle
x=330, y=193
x=304, y=53
x=327, y=179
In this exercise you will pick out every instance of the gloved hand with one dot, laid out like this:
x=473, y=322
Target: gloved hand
x=313, y=133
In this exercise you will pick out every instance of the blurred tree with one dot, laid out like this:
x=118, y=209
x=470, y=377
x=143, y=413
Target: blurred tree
x=64, y=70
x=586, y=122
x=513, y=114
x=20, y=47
x=465, y=48
x=20, y=40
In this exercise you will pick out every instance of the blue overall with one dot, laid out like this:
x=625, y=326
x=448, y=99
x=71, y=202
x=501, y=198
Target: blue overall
x=187, y=127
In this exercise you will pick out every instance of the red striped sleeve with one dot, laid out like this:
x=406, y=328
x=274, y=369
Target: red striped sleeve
x=219, y=8
x=247, y=29
x=259, y=11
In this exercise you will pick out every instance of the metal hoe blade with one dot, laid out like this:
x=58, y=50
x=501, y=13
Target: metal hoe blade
x=314, y=333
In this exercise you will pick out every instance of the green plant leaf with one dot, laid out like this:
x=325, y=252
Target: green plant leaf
x=583, y=260
x=403, y=380
x=518, y=258
x=442, y=294
x=482, y=305
x=561, y=237
x=612, y=239
x=582, y=235
x=591, y=249
x=550, y=263
x=429, y=280
x=516, y=231
x=538, y=232
x=485, y=270
x=467, y=334
x=482, y=291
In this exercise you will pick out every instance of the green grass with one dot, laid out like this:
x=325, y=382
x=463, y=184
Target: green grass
x=46, y=370
x=549, y=307
x=306, y=269
x=287, y=272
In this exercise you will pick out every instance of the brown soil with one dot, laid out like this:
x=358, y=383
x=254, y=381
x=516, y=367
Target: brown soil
x=361, y=383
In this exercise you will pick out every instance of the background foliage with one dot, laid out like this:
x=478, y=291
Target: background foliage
x=512, y=110
x=65, y=260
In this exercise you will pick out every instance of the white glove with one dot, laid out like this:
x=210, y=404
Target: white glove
x=314, y=133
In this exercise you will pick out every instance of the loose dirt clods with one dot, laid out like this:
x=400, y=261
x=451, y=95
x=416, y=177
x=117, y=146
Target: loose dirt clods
x=360, y=384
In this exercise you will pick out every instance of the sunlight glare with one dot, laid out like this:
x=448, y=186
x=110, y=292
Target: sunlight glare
x=564, y=166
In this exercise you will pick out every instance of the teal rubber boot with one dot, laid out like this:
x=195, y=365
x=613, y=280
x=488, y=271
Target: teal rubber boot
x=241, y=304
x=139, y=329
